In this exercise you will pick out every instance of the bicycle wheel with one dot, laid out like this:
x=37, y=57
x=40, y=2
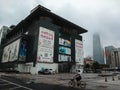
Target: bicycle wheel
x=82, y=84
x=71, y=83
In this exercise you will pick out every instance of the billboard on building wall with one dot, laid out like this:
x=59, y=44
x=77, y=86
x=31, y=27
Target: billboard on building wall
x=10, y=52
x=45, y=45
x=79, y=51
x=22, y=50
x=64, y=42
x=5, y=54
x=64, y=50
x=63, y=58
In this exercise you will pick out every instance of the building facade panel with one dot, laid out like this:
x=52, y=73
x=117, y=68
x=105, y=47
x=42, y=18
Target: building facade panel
x=115, y=62
x=108, y=50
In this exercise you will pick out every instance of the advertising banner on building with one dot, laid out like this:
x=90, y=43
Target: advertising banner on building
x=22, y=50
x=45, y=45
x=79, y=51
x=64, y=50
x=64, y=42
x=10, y=52
x=63, y=58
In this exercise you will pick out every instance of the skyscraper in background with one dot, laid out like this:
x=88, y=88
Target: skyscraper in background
x=97, y=49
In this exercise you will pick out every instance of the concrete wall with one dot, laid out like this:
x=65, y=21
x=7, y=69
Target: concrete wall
x=28, y=67
x=39, y=66
x=24, y=68
x=53, y=66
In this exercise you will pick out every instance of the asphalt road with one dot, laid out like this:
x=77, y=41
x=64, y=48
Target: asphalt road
x=8, y=83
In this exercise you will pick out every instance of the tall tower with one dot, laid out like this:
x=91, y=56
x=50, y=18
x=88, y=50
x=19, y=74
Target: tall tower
x=97, y=49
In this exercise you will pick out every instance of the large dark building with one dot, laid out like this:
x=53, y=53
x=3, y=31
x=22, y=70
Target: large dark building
x=43, y=40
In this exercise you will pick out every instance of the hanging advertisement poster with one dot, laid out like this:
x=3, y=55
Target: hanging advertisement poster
x=45, y=45
x=22, y=51
x=61, y=41
x=64, y=50
x=64, y=58
x=10, y=52
x=64, y=42
x=79, y=51
x=5, y=54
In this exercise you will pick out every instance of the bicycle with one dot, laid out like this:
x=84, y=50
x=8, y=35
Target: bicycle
x=73, y=83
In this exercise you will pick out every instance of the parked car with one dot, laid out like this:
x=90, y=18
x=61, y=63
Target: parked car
x=52, y=71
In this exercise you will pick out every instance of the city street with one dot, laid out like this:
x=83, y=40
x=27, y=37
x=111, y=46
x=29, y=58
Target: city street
x=55, y=82
x=8, y=85
x=12, y=84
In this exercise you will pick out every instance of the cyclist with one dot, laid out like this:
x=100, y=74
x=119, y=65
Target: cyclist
x=77, y=81
x=77, y=77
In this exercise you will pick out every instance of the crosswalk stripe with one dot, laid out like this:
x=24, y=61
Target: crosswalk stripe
x=16, y=84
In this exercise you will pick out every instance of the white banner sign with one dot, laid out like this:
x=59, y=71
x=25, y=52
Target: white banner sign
x=63, y=58
x=10, y=52
x=79, y=51
x=45, y=45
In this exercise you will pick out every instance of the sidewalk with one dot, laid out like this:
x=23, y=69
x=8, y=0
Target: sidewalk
x=98, y=83
x=109, y=81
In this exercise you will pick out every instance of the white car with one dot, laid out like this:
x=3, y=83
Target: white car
x=51, y=71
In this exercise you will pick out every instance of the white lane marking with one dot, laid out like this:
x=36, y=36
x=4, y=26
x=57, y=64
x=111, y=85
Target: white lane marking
x=17, y=84
x=13, y=88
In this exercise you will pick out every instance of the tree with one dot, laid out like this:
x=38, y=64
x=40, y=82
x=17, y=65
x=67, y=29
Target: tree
x=87, y=66
x=95, y=66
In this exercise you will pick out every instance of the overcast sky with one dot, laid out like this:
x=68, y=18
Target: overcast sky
x=102, y=16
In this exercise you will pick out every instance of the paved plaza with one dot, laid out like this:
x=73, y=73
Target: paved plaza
x=94, y=82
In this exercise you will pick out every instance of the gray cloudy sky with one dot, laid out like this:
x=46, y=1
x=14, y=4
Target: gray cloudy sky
x=102, y=16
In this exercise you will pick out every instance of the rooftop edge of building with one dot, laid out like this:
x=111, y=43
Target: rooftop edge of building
x=36, y=11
